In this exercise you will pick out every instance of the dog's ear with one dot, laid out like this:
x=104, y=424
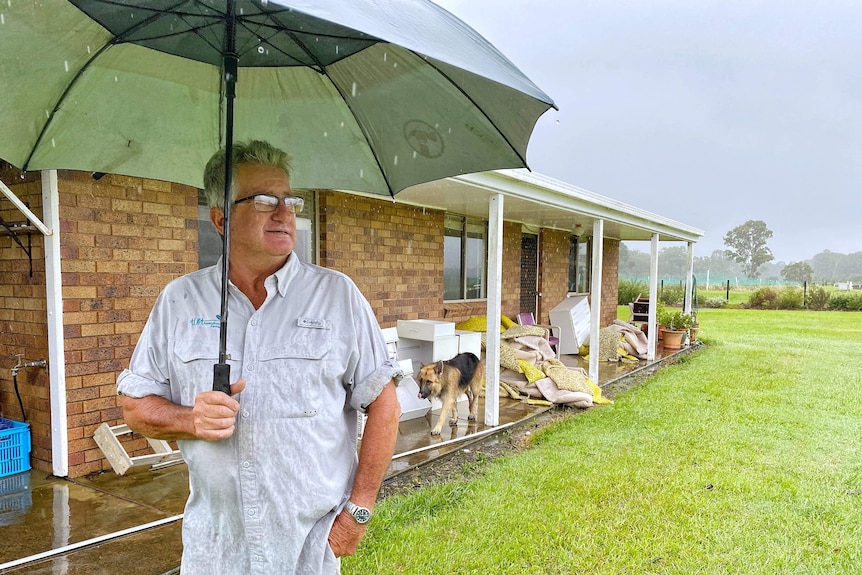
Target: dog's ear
x=439, y=369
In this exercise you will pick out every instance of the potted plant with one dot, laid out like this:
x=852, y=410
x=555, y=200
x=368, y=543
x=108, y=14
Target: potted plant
x=695, y=327
x=674, y=324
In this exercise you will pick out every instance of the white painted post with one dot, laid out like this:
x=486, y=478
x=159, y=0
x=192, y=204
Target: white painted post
x=689, y=278
x=652, y=329
x=495, y=302
x=56, y=348
x=596, y=297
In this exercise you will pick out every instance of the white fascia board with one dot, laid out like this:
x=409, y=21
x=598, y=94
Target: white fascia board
x=542, y=189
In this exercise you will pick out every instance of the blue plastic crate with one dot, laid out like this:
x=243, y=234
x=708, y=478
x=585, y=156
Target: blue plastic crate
x=14, y=447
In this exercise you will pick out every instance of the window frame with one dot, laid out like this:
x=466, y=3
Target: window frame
x=469, y=229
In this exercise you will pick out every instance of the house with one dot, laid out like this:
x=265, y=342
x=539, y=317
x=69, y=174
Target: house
x=83, y=259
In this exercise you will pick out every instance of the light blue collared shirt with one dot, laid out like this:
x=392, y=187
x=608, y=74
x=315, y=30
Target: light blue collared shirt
x=312, y=356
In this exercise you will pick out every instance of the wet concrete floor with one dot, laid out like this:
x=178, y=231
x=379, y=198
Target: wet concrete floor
x=131, y=525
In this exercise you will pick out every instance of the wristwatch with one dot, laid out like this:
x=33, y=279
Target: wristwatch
x=362, y=515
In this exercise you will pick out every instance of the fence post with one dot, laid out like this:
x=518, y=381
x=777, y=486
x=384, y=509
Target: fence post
x=727, y=293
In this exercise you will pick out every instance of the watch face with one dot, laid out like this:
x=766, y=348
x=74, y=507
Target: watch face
x=362, y=515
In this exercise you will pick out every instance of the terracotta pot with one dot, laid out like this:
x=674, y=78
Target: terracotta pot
x=695, y=328
x=673, y=338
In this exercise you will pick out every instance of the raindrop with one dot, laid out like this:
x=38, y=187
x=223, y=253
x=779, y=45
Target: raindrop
x=385, y=56
x=260, y=50
x=353, y=90
x=66, y=65
x=54, y=145
x=47, y=113
x=395, y=161
x=557, y=122
x=336, y=48
x=414, y=157
x=325, y=134
x=2, y=19
x=117, y=80
x=89, y=50
x=361, y=173
x=395, y=65
x=342, y=123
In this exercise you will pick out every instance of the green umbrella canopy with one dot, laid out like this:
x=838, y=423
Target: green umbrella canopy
x=366, y=95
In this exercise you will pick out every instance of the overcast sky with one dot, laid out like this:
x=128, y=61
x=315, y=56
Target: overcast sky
x=710, y=113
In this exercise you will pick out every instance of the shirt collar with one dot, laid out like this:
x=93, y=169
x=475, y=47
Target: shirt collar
x=286, y=273
x=282, y=277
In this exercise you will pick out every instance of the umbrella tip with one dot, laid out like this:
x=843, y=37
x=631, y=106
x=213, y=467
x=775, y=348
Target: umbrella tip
x=98, y=175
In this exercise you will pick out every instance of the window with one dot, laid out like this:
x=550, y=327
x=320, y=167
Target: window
x=210, y=242
x=465, y=256
x=579, y=265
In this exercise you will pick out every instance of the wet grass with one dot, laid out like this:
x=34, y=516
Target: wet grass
x=742, y=458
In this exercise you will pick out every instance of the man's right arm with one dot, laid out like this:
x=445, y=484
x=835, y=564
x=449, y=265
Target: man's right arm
x=212, y=418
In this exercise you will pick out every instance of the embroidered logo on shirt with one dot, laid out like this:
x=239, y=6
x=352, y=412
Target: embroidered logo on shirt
x=206, y=322
x=311, y=323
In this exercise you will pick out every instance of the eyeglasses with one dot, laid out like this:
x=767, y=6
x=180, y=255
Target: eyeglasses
x=269, y=203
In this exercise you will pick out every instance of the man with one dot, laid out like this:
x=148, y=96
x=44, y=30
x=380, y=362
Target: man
x=275, y=485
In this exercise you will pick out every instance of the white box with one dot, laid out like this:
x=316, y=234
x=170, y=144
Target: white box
x=412, y=406
x=573, y=316
x=424, y=329
x=422, y=352
x=469, y=341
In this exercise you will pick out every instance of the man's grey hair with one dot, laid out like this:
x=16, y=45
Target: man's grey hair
x=252, y=152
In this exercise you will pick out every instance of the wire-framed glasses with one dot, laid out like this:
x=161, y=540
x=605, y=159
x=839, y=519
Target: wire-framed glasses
x=269, y=203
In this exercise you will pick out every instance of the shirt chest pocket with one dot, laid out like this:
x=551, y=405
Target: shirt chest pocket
x=193, y=373
x=293, y=379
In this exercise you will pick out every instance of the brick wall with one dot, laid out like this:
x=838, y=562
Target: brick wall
x=122, y=239
x=610, y=279
x=393, y=252
x=23, y=325
x=553, y=271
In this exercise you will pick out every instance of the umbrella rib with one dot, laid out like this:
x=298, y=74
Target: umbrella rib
x=60, y=101
x=475, y=105
x=364, y=133
x=318, y=67
x=71, y=84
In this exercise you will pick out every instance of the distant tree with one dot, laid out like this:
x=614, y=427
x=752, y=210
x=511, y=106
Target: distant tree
x=826, y=265
x=673, y=262
x=748, y=246
x=798, y=272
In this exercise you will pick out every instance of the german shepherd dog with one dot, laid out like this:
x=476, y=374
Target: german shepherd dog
x=464, y=373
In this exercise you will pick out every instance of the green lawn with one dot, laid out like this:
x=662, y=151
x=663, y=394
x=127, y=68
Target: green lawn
x=743, y=458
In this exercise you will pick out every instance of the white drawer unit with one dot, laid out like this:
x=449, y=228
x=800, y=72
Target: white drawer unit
x=573, y=317
x=421, y=351
x=424, y=329
x=469, y=341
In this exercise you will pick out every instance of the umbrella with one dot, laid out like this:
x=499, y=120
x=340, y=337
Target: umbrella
x=366, y=95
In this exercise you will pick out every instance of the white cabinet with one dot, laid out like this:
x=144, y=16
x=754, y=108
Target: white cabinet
x=423, y=352
x=424, y=329
x=573, y=317
x=469, y=341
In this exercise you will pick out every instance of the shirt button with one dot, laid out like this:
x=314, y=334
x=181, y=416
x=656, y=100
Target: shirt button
x=254, y=322
x=245, y=414
x=250, y=512
x=246, y=464
x=250, y=367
